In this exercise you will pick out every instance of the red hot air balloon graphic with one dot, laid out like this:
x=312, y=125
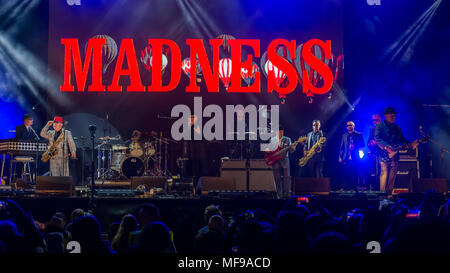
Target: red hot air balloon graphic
x=186, y=67
x=146, y=54
x=335, y=64
x=225, y=71
x=109, y=51
x=245, y=74
x=164, y=62
x=146, y=58
x=279, y=75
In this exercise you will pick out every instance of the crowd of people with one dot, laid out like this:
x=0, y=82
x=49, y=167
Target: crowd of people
x=299, y=227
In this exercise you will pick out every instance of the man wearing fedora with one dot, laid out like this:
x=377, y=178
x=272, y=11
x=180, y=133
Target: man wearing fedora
x=59, y=164
x=388, y=136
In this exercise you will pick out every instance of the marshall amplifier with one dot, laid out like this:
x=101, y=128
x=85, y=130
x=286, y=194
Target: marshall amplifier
x=408, y=154
x=408, y=171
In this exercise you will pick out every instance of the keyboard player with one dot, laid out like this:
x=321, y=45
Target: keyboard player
x=24, y=132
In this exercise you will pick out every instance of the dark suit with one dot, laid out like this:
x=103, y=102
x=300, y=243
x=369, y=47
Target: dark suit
x=23, y=134
x=349, y=154
x=314, y=168
x=357, y=140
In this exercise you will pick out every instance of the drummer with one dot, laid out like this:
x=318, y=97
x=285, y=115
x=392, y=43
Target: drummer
x=135, y=145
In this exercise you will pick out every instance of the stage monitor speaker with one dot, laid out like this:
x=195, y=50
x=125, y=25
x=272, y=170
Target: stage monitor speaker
x=54, y=185
x=425, y=184
x=312, y=185
x=210, y=183
x=149, y=182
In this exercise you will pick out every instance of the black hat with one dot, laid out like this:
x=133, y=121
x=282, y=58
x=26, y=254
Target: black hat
x=389, y=110
x=27, y=116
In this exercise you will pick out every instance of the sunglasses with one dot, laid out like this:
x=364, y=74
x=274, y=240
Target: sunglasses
x=349, y=125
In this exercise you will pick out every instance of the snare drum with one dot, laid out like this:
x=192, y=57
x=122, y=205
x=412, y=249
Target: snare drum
x=132, y=166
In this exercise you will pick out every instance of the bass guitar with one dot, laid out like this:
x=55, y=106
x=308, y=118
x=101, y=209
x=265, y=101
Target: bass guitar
x=276, y=155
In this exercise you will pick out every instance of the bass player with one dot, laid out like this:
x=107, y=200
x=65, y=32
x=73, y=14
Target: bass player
x=280, y=164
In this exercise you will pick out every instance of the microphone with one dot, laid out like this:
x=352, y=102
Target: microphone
x=37, y=137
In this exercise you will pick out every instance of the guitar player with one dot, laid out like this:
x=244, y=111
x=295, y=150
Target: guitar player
x=281, y=167
x=388, y=136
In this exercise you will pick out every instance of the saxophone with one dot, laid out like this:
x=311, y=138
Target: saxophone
x=52, y=150
x=311, y=152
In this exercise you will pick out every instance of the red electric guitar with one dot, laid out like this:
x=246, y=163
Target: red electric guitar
x=274, y=156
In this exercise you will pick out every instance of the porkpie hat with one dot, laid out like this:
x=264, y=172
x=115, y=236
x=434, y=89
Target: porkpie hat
x=389, y=110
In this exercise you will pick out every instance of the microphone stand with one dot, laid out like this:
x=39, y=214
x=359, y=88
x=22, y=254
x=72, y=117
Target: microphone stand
x=36, y=165
x=443, y=150
x=92, y=129
x=64, y=150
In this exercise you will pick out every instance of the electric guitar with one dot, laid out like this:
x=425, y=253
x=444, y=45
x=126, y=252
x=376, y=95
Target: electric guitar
x=389, y=155
x=276, y=155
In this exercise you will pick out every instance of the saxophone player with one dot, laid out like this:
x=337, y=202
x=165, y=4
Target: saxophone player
x=59, y=164
x=315, y=164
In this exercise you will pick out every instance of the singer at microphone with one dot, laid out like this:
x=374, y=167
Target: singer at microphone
x=25, y=131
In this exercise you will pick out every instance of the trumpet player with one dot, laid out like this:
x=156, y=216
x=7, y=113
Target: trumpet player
x=59, y=164
x=314, y=167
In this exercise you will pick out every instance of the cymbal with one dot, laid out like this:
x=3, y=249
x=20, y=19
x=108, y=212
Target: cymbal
x=108, y=138
x=119, y=148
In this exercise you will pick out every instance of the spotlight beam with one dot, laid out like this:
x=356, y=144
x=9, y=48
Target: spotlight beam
x=405, y=44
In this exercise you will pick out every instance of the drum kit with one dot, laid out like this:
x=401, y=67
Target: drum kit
x=119, y=159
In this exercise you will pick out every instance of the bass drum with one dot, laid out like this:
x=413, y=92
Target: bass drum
x=132, y=166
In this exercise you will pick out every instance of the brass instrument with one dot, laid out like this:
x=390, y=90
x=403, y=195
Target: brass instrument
x=311, y=152
x=52, y=150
